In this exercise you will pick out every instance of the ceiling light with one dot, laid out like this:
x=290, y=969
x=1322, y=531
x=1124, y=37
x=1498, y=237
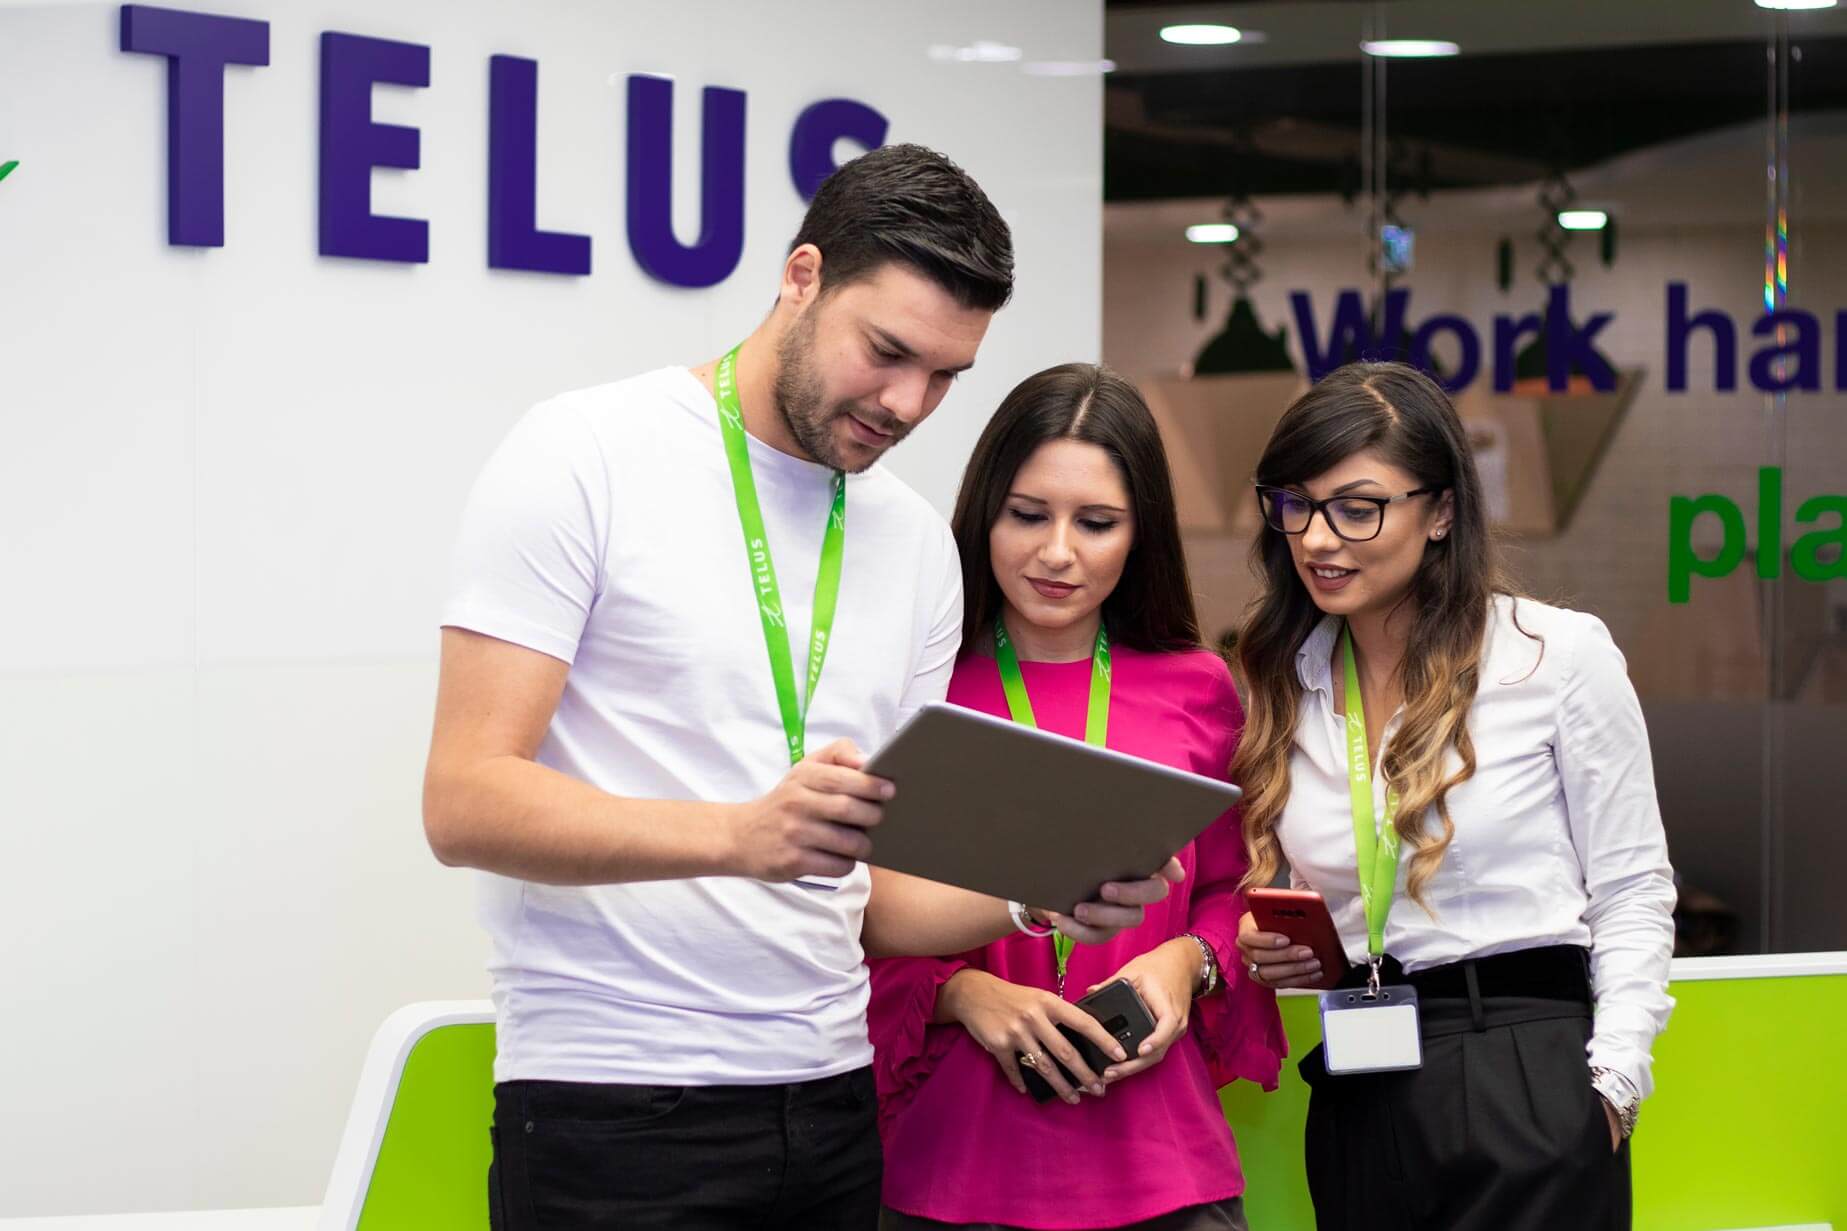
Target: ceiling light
x=979, y=52
x=1201, y=35
x=1583, y=219
x=1067, y=68
x=1409, y=48
x=1212, y=233
x=1796, y=4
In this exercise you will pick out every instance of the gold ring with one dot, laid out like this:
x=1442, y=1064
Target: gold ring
x=1030, y=1059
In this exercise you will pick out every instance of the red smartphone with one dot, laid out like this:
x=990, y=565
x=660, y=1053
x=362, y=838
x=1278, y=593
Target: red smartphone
x=1303, y=917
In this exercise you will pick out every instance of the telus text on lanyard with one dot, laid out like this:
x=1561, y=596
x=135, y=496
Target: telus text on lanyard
x=763, y=572
x=1096, y=723
x=1376, y=1029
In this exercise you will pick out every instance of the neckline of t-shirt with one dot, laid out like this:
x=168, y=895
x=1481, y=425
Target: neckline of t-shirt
x=697, y=400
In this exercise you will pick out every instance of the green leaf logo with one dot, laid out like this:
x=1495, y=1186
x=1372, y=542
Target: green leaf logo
x=6, y=168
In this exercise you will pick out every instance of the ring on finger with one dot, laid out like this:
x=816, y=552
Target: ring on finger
x=1030, y=1059
x=1256, y=972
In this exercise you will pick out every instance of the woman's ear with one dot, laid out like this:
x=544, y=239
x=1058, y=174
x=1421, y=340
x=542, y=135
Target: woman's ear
x=1445, y=518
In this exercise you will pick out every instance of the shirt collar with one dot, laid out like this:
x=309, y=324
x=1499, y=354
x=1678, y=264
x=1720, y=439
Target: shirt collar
x=1314, y=661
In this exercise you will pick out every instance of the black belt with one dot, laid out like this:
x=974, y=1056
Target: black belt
x=1554, y=972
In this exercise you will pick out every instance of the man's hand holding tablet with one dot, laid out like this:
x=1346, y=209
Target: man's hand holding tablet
x=818, y=821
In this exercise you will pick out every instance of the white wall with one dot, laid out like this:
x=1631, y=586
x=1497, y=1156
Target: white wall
x=228, y=484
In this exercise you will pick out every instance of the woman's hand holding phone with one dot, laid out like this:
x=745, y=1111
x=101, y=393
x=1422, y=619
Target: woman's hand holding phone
x=1278, y=963
x=1164, y=977
x=1009, y=1020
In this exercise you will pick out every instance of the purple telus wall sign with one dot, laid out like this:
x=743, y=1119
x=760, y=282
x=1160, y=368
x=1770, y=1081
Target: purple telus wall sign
x=197, y=47
x=351, y=145
x=514, y=240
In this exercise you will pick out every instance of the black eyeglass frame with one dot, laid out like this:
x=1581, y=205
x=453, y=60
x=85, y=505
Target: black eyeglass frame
x=1321, y=507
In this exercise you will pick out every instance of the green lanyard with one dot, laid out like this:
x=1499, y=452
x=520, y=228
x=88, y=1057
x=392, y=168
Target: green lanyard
x=1096, y=723
x=763, y=571
x=1377, y=844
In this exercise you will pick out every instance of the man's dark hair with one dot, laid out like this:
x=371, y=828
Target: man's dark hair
x=909, y=204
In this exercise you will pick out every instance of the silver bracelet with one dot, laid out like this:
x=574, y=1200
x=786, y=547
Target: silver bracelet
x=1023, y=920
x=1210, y=974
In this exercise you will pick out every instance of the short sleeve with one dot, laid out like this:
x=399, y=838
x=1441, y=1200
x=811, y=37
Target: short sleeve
x=528, y=561
x=935, y=663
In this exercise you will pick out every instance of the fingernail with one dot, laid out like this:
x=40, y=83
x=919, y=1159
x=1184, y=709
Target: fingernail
x=1120, y=1054
x=1277, y=942
x=1302, y=954
x=1097, y=1089
x=1072, y=1099
x=1145, y=1049
x=887, y=791
x=1082, y=912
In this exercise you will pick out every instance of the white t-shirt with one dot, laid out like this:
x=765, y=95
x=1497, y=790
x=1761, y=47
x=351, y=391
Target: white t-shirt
x=604, y=532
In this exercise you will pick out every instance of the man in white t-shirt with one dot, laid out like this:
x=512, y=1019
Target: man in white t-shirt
x=667, y=591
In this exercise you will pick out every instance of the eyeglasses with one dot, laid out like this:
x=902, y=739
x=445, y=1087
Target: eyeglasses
x=1357, y=519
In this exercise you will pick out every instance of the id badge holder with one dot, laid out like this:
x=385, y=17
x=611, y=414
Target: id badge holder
x=1373, y=1029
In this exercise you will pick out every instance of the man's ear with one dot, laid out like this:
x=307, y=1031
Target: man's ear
x=801, y=277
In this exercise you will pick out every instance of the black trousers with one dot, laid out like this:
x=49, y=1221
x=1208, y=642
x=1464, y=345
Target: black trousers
x=579, y=1157
x=1498, y=1131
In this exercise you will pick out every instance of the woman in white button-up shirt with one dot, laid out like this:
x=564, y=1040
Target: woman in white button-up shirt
x=1533, y=880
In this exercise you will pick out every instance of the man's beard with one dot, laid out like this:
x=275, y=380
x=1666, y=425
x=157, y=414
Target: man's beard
x=800, y=400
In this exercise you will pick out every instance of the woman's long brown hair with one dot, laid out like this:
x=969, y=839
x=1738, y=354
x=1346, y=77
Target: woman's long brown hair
x=1404, y=417
x=1151, y=607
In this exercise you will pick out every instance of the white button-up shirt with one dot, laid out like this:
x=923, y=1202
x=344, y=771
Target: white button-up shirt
x=1558, y=833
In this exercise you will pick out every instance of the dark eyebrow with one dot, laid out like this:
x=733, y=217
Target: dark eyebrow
x=892, y=343
x=1347, y=487
x=1089, y=508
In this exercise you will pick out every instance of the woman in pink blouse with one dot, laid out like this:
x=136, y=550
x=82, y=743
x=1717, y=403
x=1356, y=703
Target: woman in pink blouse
x=1072, y=567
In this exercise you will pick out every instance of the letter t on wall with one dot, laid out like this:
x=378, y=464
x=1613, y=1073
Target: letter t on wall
x=197, y=47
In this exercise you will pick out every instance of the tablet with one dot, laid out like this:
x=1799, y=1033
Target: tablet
x=1009, y=810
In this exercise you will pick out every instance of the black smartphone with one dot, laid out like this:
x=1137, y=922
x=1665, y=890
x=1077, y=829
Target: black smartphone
x=1123, y=1013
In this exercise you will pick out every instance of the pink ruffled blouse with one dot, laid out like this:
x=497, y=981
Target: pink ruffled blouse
x=961, y=1145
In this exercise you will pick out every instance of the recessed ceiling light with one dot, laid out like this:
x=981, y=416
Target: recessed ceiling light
x=979, y=52
x=1201, y=35
x=1409, y=48
x=1212, y=233
x=1796, y=4
x=1583, y=219
x=1067, y=68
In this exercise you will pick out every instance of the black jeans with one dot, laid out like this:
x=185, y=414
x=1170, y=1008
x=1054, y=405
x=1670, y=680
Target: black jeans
x=573, y=1155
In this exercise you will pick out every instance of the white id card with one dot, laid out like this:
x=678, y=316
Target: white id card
x=1366, y=1033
